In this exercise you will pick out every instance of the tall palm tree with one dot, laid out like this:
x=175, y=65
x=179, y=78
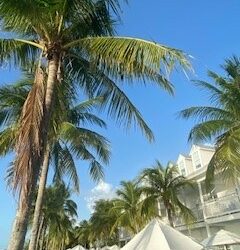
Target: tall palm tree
x=66, y=33
x=66, y=139
x=165, y=184
x=220, y=121
x=129, y=207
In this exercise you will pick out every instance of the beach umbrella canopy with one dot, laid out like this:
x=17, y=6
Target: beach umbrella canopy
x=159, y=236
x=221, y=238
x=78, y=247
x=114, y=247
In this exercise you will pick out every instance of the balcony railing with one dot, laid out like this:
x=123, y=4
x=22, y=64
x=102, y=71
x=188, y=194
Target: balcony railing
x=217, y=207
x=222, y=205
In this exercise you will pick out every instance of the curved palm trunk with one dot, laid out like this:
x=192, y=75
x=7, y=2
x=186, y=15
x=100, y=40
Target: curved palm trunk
x=39, y=201
x=21, y=221
x=20, y=224
x=42, y=235
x=40, y=229
x=170, y=218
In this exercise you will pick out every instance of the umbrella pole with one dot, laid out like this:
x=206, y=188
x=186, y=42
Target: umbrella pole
x=225, y=247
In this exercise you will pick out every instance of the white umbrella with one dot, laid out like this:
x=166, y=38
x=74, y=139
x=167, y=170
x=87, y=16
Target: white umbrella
x=114, y=247
x=78, y=247
x=159, y=236
x=221, y=238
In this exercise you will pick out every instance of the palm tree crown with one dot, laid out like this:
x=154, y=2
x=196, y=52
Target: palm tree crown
x=165, y=184
x=220, y=121
x=129, y=207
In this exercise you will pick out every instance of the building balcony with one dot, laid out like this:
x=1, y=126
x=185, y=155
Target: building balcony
x=215, y=207
x=222, y=205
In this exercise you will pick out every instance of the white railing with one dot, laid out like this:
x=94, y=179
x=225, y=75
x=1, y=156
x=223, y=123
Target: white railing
x=214, y=208
x=222, y=205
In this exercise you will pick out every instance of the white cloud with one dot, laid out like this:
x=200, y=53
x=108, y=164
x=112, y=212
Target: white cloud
x=103, y=190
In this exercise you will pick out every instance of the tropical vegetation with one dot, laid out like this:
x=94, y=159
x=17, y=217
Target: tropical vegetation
x=129, y=207
x=67, y=139
x=165, y=185
x=71, y=38
x=57, y=218
x=218, y=122
x=135, y=204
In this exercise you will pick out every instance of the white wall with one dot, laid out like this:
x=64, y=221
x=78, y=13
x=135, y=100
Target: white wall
x=205, y=156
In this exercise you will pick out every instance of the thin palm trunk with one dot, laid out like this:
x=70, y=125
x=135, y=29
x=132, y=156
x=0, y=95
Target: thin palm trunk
x=40, y=231
x=42, y=236
x=20, y=224
x=169, y=215
x=39, y=201
x=21, y=221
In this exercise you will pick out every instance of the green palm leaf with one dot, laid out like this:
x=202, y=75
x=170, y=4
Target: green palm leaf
x=220, y=121
x=131, y=57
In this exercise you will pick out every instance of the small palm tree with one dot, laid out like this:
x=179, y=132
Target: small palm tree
x=220, y=121
x=102, y=223
x=57, y=218
x=83, y=234
x=165, y=184
x=128, y=206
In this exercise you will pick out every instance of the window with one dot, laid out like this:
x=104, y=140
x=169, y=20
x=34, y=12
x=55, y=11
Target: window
x=182, y=169
x=196, y=160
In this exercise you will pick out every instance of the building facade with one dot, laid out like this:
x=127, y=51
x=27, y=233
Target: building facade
x=219, y=209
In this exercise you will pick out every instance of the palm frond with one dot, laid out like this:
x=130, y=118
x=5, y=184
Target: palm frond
x=80, y=137
x=18, y=52
x=29, y=140
x=186, y=213
x=131, y=58
x=96, y=170
x=208, y=130
x=64, y=165
x=95, y=83
x=8, y=139
x=205, y=113
x=93, y=17
x=225, y=159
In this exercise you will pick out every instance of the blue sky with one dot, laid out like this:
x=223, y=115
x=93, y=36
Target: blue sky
x=208, y=30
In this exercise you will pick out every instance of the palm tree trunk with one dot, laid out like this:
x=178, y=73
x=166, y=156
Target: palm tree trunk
x=39, y=231
x=53, y=71
x=20, y=224
x=42, y=236
x=21, y=221
x=170, y=218
x=39, y=201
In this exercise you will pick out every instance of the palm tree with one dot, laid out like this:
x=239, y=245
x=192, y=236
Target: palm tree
x=57, y=218
x=165, y=184
x=83, y=234
x=68, y=34
x=219, y=121
x=66, y=139
x=102, y=223
x=129, y=208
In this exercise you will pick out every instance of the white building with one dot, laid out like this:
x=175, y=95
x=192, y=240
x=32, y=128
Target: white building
x=218, y=210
